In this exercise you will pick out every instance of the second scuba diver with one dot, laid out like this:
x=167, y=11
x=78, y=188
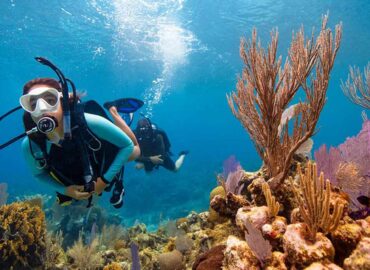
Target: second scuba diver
x=90, y=161
x=155, y=148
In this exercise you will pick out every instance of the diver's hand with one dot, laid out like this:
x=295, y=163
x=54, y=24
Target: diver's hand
x=77, y=192
x=99, y=186
x=156, y=159
x=139, y=166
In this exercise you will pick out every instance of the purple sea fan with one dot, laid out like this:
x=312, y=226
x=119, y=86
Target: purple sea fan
x=348, y=166
x=230, y=165
x=258, y=244
x=357, y=149
x=328, y=162
x=233, y=183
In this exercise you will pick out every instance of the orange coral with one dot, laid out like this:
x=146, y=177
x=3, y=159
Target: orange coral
x=113, y=266
x=22, y=236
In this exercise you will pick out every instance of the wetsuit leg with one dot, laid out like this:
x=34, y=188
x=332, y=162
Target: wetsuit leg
x=168, y=163
x=148, y=166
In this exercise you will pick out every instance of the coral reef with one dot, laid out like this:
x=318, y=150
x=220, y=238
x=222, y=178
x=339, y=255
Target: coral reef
x=22, y=236
x=284, y=216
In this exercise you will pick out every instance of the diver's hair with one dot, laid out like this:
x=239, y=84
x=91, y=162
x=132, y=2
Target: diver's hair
x=46, y=81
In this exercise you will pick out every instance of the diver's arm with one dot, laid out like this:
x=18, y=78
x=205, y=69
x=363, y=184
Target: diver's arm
x=108, y=131
x=143, y=159
x=119, y=122
x=39, y=173
x=162, y=147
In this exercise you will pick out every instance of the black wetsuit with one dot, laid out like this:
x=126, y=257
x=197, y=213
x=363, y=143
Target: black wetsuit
x=152, y=147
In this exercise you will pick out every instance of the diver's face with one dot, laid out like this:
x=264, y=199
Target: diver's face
x=144, y=130
x=57, y=113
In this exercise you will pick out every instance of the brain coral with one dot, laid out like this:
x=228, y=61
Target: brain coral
x=22, y=236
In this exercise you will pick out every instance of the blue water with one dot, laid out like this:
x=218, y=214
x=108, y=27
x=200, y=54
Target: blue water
x=181, y=57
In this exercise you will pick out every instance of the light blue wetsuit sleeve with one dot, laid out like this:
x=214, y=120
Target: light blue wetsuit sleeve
x=108, y=131
x=39, y=173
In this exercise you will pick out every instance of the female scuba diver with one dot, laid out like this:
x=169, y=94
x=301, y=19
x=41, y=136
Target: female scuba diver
x=91, y=160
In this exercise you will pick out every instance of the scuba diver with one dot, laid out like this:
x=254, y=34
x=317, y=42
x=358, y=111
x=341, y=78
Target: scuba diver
x=73, y=144
x=155, y=148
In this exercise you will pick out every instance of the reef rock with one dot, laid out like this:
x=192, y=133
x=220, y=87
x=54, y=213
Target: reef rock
x=258, y=216
x=171, y=261
x=276, y=229
x=345, y=239
x=277, y=262
x=228, y=207
x=323, y=266
x=360, y=257
x=365, y=226
x=238, y=256
x=302, y=252
x=210, y=260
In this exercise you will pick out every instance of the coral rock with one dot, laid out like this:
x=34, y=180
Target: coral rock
x=277, y=262
x=171, y=261
x=229, y=206
x=238, y=256
x=113, y=266
x=302, y=252
x=210, y=260
x=365, y=226
x=258, y=216
x=323, y=266
x=219, y=190
x=345, y=239
x=276, y=229
x=360, y=257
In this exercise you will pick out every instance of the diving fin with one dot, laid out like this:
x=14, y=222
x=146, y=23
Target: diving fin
x=125, y=105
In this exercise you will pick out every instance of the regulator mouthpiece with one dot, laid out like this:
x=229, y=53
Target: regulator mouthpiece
x=47, y=124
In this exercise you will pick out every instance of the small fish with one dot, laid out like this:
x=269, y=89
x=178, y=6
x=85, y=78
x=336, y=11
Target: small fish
x=364, y=200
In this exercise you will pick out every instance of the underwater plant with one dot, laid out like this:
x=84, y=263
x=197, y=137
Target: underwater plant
x=356, y=88
x=314, y=203
x=267, y=86
x=22, y=236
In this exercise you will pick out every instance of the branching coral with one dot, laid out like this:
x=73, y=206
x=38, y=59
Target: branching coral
x=22, y=236
x=314, y=204
x=272, y=204
x=267, y=87
x=356, y=88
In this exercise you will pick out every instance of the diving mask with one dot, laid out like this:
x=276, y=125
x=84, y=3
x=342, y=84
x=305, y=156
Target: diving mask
x=41, y=100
